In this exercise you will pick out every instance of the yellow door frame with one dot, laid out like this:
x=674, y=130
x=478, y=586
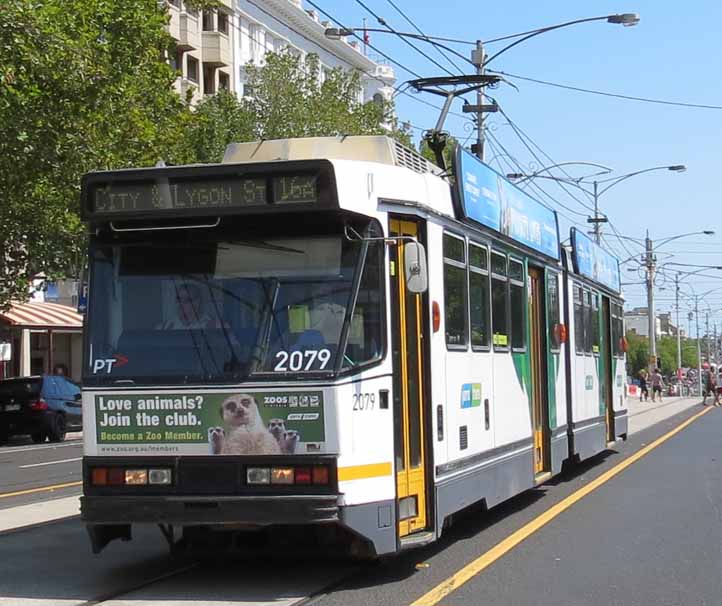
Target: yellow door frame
x=410, y=481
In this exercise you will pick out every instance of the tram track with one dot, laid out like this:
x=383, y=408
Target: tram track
x=114, y=595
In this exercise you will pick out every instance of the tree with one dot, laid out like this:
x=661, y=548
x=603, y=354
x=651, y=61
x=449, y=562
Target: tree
x=84, y=85
x=448, y=152
x=637, y=353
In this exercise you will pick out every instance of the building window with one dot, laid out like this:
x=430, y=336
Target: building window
x=479, y=296
x=192, y=64
x=578, y=320
x=499, y=299
x=518, y=308
x=455, y=291
x=209, y=80
x=223, y=22
x=254, y=34
x=223, y=81
x=208, y=21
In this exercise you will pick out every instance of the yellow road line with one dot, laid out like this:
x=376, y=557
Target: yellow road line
x=476, y=566
x=41, y=489
x=362, y=472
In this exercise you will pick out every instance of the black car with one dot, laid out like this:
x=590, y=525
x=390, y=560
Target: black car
x=43, y=406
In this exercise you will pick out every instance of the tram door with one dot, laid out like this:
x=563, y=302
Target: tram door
x=537, y=353
x=606, y=371
x=408, y=356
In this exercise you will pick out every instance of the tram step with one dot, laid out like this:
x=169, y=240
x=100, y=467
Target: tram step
x=542, y=477
x=417, y=539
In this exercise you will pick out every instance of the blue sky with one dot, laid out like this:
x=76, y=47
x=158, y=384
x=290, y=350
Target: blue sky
x=673, y=54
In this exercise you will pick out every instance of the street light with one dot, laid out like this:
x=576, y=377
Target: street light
x=478, y=58
x=676, y=298
x=595, y=192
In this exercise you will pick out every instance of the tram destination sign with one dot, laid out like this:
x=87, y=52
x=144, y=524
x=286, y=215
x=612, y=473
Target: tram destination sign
x=487, y=198
x=161, y=194
x=592, y=261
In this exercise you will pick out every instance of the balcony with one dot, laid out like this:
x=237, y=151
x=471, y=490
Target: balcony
x=217, y=49
x=174, y=24
x=189, y=36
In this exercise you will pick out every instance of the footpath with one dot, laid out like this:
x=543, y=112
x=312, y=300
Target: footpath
x=641, y=416
x=646, y=414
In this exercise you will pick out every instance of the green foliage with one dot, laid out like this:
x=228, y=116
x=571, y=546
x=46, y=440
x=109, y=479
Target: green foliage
x=84, y=85
x=638, y=354
x=448, y=152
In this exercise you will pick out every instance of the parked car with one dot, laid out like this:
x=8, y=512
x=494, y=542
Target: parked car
x=44, y=406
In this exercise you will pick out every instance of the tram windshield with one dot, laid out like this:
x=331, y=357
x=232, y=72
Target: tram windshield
x=178, y=309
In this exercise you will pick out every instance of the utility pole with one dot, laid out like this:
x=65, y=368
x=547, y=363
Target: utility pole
x=597, y=219
x=679, y=336
x=649, y=261
x=699, y=352
x=706, y=336
x=477, y=58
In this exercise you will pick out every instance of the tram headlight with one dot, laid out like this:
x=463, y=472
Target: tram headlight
x=282, y=475
x=159, y=476
x=136, y=476
x=258, y=475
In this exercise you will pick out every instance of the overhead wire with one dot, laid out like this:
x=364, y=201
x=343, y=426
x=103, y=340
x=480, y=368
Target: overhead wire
x=418, y=29
x=540, y=190
x=371, y=46
x=404, y=39
x=608, y=94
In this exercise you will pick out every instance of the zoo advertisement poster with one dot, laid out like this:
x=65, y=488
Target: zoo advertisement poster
x=231, y=423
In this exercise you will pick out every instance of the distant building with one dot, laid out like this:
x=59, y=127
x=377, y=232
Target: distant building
x=636, y=320
x=213, y=47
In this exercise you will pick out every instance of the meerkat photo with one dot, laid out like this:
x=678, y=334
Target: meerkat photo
x=215, y=439
x=245, y=431
x=277, y=427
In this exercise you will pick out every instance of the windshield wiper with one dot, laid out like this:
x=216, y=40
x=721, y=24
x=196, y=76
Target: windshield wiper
x=258, y=353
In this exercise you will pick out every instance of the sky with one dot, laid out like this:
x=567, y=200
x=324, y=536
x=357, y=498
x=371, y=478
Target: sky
x=672, y=54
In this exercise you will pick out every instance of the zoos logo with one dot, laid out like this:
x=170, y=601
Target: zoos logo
x=107, y=364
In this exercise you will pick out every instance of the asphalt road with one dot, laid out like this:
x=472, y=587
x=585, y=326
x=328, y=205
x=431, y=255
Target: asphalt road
x=25, y=466
x=650, y=535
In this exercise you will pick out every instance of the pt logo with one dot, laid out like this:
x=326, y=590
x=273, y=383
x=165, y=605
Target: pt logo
x=106, y=364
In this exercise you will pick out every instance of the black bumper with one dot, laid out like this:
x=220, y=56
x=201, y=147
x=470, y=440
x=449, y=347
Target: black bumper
x=191, y=511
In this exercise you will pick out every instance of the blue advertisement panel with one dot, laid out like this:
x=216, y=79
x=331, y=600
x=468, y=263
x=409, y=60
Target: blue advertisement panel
x=489, y=199
x=592, y=261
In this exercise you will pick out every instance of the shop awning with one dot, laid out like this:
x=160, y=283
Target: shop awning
x=42, y=315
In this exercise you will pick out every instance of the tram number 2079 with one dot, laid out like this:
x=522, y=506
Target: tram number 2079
x=364, y=401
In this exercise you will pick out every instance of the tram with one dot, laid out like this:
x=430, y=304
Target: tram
x=329, y=336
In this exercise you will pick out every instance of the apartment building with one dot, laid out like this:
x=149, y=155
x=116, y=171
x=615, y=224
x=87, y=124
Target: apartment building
x=214, y=47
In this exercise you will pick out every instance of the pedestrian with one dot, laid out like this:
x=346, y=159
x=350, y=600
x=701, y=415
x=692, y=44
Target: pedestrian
x=657, y=384
x=60, y=370
x=711, y=387
x=643, y=390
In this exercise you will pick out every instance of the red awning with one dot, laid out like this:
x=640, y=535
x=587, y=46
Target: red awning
x=42, y=315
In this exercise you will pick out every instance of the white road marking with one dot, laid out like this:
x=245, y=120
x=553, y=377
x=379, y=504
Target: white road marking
x=50, y=463
x=23, y=449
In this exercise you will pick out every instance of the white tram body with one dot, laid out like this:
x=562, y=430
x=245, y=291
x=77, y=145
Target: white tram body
x=486, y=380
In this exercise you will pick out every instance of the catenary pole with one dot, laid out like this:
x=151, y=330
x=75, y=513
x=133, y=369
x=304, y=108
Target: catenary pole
x=679, y=336
x=649, y=261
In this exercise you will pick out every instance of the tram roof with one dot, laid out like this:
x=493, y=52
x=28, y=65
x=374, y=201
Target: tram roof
x=381, y=149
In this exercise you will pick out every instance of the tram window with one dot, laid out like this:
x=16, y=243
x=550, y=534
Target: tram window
x=479, y=296
x=363, y=338
x=455, y=314
x=595, y=323
x=516, y=296
x=499, y=292
x=578, y=320
x=553, y=309
x=587, y=322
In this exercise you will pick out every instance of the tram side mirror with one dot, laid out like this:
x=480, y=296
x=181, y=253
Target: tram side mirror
x=417, y=278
